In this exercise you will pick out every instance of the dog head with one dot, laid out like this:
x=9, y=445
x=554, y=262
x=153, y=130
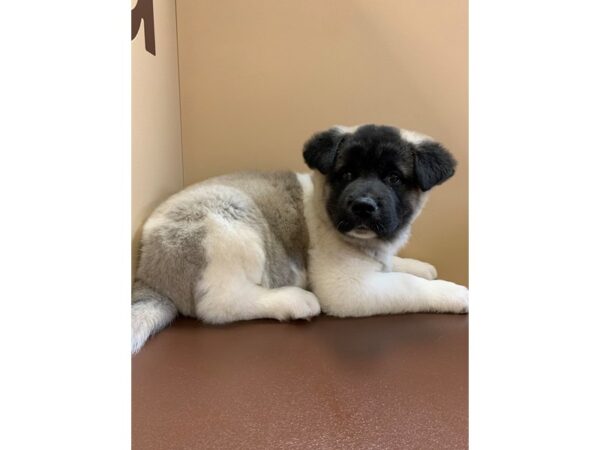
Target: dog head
x=376, y=177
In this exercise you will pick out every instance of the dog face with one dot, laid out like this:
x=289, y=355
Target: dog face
x=376, y=176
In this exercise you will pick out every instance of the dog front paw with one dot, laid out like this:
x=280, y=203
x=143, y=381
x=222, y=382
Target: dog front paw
x=414, y=267
x=451, y=297
x=425, y=270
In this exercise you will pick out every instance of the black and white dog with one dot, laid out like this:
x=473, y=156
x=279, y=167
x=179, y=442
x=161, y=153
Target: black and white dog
x=287, y=246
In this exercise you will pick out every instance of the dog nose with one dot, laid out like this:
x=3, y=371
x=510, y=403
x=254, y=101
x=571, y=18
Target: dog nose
x=364, y=206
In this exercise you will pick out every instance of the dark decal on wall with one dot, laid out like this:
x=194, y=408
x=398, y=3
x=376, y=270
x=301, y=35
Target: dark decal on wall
x=144, y=10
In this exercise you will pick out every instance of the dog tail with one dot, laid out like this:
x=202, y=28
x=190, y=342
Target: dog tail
x=150, y=313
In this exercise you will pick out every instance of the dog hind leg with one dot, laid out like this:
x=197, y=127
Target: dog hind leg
x=234, y=285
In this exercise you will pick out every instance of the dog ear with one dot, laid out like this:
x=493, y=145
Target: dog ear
x=321, y=149
x=433, y=165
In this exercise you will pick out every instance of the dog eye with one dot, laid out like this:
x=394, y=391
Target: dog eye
x=348, y=176
x=393, y=178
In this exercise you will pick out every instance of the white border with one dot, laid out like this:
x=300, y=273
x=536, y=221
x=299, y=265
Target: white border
x=534, y=321
x=65, y=239
x=65, y=183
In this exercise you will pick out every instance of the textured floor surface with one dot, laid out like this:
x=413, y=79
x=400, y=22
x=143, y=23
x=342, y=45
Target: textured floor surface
x=380, y=382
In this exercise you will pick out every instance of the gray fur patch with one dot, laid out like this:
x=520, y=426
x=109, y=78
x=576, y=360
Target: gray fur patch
x=172, y=255
x=280, y=217
x=171, y=261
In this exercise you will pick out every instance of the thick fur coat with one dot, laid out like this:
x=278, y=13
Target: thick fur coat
x=286, y=246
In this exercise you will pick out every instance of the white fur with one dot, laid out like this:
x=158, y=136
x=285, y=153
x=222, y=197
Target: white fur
x=414, y=267
x=351, y=282
x=234, y=287
x=301, y=276
x=414, y=137
x=347, y=130
x=146, y=319
x=361, y=234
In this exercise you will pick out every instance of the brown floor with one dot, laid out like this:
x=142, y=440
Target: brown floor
x=379, y=382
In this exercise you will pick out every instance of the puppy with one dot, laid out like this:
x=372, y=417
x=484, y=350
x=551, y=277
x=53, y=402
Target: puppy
x=287, y=246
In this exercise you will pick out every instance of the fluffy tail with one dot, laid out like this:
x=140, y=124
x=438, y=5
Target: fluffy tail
x=150, y=313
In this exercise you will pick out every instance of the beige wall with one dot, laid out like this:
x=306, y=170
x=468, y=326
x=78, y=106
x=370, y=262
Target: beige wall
x=156, y=127
x=259, y=77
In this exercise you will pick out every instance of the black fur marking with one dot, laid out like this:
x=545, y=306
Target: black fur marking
x=375, y=163
x=320, y=150
x=433, y=165
x=371, y=154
